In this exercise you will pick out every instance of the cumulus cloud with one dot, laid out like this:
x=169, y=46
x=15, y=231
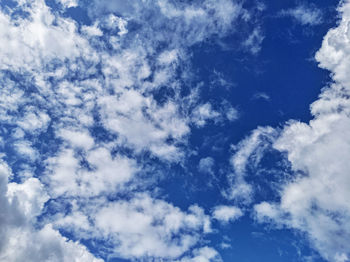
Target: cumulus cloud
x=227, y=214
x=145, y=227
x=21, y=239
x=36, y=41
x=141, y=227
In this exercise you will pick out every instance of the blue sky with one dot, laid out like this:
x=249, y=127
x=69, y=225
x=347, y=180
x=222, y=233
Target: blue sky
x=171, y=130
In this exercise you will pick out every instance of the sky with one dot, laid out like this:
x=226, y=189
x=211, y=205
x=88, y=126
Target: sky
x=174, y=130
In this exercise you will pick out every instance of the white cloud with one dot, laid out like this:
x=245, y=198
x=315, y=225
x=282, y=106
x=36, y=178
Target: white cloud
x=77, y=138
x=204, y=254
x=305, y=14
x=142, y=227
x=68, y=3
x=66, y=176
x=231, y=113
x=187, y=23
x=204, y=113
x=227, y=214
x=33, y=121
x=25, y=148
x=92, y=30
x=248, y=152
x=37, y=40
x=126, y=116
x=261, y=95
x=254, y=41
x=206, y=165
x=44, y=245
x=20, y=239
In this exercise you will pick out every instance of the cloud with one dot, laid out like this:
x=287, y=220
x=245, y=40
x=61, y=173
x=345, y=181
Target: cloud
x=261, y=96
x=304, y=14
x=254, y=41
x=315, y=201
x=206, y=165
x=36, y=41
x=103, y=174
x=141, y=227
x=183, y=23
x=25, y=148
x=204, y=113
x=21, y=238
x=248, y=152
x=204, y=254
x=227, y=214
x=68, y=3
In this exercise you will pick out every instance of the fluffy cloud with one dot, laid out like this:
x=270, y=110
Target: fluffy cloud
x=226, y=214
x=141, y=227
x=145, y=227
x=29, y=43
x=21, y=238
x=102, y=173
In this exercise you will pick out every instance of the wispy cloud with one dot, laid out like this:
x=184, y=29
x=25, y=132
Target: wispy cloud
x=304, y=14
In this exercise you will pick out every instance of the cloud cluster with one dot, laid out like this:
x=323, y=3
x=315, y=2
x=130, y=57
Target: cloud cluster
x=83, y=106
x=21, y=238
